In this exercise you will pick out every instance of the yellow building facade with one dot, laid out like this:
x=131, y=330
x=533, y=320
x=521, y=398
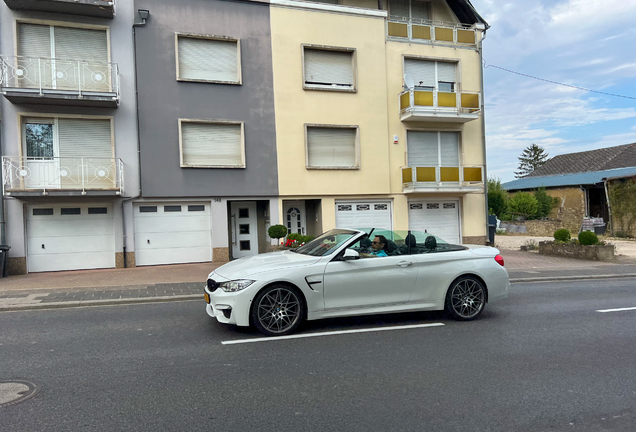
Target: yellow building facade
x=379, y=116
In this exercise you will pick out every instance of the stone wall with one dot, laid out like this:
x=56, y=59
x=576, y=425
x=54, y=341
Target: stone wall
x=571, y=211
x=575, y=250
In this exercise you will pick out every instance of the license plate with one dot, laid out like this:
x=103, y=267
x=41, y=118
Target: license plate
x=207, y=297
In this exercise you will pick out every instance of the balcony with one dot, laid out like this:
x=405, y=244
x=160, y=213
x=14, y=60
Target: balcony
x=95, y=8
x=33, y=80
x=425, y=31
x=61, y=176
x=422, y=105
x=437, y=178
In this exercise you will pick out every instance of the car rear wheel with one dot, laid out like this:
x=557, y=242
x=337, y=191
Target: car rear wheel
x=278, y=310
x=465, y=299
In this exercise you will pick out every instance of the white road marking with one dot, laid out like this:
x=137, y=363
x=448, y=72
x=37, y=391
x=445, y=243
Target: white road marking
x=616, y=310
x=376, y=329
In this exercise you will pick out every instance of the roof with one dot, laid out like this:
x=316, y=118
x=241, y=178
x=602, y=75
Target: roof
x=595, y=160
x=466, y=12
x=577, y=179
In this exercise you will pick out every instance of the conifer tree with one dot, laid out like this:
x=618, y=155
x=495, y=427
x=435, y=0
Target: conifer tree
x=531, y=158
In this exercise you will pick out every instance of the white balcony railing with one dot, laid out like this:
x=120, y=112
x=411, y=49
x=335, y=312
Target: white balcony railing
x=419, y=105
x=438, y=177
x=25, y=174
x=49, y=75
x=417, y=30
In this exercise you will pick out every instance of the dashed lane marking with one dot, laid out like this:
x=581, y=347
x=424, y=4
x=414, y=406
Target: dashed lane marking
x=616, y=310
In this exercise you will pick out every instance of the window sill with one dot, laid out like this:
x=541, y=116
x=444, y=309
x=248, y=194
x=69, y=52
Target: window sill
x=332, y=168
x=209, y=81
x=340, y=89
x=213, y=166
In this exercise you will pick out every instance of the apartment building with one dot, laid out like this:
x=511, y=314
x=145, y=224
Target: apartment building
x=69, y=135
x=379, y=116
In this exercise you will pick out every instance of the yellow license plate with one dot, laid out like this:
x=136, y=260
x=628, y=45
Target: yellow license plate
x=207, y=297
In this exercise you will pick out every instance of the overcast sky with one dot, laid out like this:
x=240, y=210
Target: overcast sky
x=586, y=43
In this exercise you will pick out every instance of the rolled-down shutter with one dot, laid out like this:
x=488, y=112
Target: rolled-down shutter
x=34, y=40
x=34, y=47
x=331, y=147
x=328, y=67
x=449, y=148
x=81, y=44
x=422, y=148
x=205, y=59
x=419, y=9
x=209, y=144
x=422, y=72
x=84, y=138
x=399, y=9
x=446, y=72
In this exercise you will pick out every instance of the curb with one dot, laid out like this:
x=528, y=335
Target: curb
x=572, y=278
x=81, y=303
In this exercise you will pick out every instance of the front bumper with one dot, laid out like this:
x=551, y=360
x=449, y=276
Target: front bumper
x=231, y=307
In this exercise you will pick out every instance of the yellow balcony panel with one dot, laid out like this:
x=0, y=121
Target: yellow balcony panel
x=404, y=100
x=425, y=174
x=449, y=174
x=466, y=36
x=444, y=34
x=398, y=29
x=447, y=99
x=423, y=98
x=407, y=175
x=472, y=174
x=470, y=100
x=420, y=32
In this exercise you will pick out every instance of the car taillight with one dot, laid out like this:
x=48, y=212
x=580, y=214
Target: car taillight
x=499, y=260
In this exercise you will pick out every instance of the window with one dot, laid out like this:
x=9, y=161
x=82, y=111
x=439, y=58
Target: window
x=147, y=209
x=244, y=213
x=81, y=57
x=212, y=145
x=332, y=147
x=430, y=149
x=171, y=208
x=327, y=69
x=431, y=75
x=98, y=210
x=415, y=10
x=196, y=208
x=71, y=211
x=42, y=212
x=208, y=59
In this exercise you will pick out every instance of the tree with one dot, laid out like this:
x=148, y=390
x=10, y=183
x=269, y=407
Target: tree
x=531, y=158
x=524, y=204
x=497, y=198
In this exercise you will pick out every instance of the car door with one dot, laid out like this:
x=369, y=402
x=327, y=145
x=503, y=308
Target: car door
x=369, y=282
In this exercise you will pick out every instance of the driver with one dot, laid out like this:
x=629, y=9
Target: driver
x=378, y=245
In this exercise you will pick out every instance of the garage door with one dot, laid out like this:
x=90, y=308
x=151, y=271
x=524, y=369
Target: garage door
x=440, y=218
x=70, y=237
x=363, y=215
x=172, y=233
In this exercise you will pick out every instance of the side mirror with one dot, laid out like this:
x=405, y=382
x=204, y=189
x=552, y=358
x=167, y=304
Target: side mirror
x=350, y=255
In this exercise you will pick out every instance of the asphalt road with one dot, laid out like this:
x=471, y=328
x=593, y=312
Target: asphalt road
x=542, y=360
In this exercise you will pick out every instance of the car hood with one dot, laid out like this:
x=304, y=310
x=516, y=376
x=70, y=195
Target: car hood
x=245, y=267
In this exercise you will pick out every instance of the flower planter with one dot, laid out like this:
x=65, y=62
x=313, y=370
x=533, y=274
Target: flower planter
x=578, y=251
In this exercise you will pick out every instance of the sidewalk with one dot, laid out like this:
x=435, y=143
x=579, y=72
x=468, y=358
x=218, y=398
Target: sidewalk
x=186, y=281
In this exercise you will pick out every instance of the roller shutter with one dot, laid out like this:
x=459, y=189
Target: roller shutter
x=328, y=67
x=205, y=59
x=331, y=147
x=209, y=144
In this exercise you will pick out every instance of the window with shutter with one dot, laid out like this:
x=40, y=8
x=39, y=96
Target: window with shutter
x=432, y=148
x=429, y=75
x=328, y=69
x=212, y=60
x=409, y=9
x=218, y=145
x=332, y=147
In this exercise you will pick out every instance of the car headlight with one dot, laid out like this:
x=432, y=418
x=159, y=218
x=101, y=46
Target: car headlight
x=235, y=285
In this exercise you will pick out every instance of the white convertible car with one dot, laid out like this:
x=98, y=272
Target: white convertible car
x=346, y=272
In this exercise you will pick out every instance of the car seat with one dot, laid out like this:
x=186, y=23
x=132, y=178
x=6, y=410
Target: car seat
x=409, y=246
x=430, y=243
x=391, y=248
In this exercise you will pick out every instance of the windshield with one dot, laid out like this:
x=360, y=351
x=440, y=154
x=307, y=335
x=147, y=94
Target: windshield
x=326, y=243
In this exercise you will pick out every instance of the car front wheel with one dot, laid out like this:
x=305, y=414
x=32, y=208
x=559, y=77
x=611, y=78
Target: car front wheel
x=277, y=310
x=465, y=299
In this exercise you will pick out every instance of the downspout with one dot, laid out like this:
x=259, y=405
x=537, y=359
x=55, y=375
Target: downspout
x=609, y=207
x=3, y=238
x=483, y=126
x=125, y=200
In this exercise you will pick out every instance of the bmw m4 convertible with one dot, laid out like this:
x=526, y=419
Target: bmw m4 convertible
x=346, y=272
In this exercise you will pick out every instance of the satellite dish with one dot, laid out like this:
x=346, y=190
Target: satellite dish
x=408, y=80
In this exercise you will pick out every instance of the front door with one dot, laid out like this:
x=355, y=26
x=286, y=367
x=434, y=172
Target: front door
x=42, y=151
x=295, y=220
x=244, y=230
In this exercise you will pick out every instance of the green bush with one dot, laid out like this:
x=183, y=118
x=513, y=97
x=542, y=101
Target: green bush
x=497, y=198
x=588, y=238
x=562, y=235
x=277, y=231
x=523, y=204
x=546, y=203
x=293, y=236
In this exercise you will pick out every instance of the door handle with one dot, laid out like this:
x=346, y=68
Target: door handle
x=404, y=263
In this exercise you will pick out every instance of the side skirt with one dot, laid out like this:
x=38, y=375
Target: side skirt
x=376, y=310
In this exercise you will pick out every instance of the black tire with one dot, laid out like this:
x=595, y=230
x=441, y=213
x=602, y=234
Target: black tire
x=278, y=310
x=465, y=299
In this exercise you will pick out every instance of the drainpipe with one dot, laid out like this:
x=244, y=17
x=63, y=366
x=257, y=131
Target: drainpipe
x=143, y=16
x=609, y=207
x=3, y=238
x=483, y=126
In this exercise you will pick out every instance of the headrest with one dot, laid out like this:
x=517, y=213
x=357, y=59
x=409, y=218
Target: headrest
x=365, y=242
x=410, y=240
x=430, y=243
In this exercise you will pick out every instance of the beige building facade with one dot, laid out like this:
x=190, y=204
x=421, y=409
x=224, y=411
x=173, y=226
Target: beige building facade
x=379, y=116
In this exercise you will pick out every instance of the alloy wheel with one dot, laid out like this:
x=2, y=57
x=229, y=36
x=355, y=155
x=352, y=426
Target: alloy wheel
x=279, y=310
x=467, y=298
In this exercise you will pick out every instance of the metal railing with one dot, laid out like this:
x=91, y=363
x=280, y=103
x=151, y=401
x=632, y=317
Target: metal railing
x=22, y=174
x=58, y=75
x=441, y=176
x=437, y=101
x=416, y=30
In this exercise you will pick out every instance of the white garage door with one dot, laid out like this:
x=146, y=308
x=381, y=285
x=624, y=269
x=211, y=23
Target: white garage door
x=440, y=218
x=172, y=233
x=70, y=237
x=363, y=215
